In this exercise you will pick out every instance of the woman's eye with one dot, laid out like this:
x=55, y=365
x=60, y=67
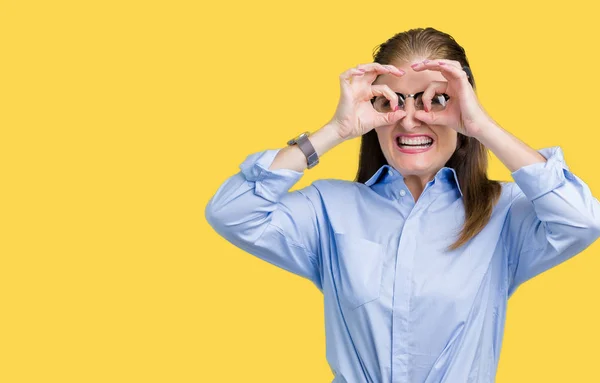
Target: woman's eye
x=381, y=103
x=379, y=100
x=439, y=99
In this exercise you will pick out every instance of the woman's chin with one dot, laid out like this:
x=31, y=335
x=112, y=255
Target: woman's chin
x=413, y=165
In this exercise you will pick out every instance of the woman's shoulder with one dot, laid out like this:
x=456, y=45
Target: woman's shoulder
x=510, y=190
x=510, y=193
x=337, y=185
x=335, y=189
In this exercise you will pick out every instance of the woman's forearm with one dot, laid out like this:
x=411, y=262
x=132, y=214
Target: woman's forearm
x=511, y=151
x=291, y=157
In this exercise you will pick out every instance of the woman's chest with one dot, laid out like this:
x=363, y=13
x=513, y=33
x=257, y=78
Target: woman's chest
x=407, y=265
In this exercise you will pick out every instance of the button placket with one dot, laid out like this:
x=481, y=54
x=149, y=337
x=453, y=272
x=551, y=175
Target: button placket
x=401, y=308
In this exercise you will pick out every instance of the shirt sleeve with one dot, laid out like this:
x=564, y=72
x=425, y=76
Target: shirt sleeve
x=255, y=211
x=553, y=216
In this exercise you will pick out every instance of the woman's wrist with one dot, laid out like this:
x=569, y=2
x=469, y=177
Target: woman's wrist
x=325, y=138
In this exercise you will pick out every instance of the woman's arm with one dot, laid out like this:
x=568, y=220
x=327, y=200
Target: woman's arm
x=254, y=210
x=553, y=215
x=291, y=157
x=511, y=151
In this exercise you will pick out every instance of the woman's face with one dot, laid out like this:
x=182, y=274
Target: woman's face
x=421, y=163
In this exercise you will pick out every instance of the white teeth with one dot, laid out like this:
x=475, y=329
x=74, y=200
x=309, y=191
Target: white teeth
x=415, y=141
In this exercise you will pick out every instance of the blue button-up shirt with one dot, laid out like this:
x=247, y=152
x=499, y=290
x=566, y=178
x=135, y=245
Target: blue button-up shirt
x=398, y=307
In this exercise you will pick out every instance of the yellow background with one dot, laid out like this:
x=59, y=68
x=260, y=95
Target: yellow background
x=120, y=119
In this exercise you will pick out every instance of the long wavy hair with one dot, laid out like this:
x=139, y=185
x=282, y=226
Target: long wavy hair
x=469, y=160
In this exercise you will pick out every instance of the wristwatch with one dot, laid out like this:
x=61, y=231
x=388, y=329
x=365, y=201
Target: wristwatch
x=312, y=158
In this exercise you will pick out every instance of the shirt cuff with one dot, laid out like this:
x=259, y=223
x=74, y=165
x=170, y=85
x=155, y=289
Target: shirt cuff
x=269, y=184
x=541, y=178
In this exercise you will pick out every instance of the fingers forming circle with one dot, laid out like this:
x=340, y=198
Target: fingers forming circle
x=380, y=68
x=448, y=69
x=451, y=62
x=433, y=118
x=435, y=87
x=346, y=75
x=370, y=70
x=387, y=92
x=349, y=75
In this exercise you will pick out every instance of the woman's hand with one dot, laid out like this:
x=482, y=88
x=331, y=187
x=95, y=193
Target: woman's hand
x=463, y=111
x=355, y=114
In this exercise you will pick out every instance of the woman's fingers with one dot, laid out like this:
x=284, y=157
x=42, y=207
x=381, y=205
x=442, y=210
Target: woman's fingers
x=348, y=76
x=371, y=70
x=387, y=92
x=395, y=114
x=450, y=69
x=435, y=118
x=380, y=68
x=354, y=112
x=436, y=87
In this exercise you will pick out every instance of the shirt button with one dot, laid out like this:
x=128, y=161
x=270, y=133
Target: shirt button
x=402, y=193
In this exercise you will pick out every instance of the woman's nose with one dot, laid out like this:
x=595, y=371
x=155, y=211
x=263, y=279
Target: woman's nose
x=409, y=121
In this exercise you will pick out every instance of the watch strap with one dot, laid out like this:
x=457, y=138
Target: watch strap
x=309, y=151
x=312, y=158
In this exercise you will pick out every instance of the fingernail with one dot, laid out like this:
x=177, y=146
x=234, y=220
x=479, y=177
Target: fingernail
x=362, y=70
x=414, y=65
x=442, y=63
x=396, y=108
x=401, y=71
x=425, y=61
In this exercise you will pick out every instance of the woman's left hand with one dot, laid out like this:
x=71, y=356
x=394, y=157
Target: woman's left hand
x=463, y=111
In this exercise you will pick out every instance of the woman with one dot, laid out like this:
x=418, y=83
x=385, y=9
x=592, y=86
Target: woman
x=417, y=258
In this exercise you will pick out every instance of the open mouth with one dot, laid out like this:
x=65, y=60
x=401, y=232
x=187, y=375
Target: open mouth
x=421, y=142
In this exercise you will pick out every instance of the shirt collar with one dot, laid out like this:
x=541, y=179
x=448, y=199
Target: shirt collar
x=386, y=174
x=378, y=174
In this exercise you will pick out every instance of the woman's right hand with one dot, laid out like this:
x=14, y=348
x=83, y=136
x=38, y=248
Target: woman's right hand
x=355, y=114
